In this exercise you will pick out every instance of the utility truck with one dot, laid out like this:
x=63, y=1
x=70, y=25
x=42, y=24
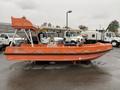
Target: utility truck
x=73, y=38
x=46, y=37
x=69, y=37
x=102, y=36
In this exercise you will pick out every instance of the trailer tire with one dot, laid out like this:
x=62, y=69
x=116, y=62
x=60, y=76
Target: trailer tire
x=114, y=43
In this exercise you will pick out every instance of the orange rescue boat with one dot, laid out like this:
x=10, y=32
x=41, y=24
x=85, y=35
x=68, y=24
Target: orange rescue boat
x=58, y=53
x=42, y=52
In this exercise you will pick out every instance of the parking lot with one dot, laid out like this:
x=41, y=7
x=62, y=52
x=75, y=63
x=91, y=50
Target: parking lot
x=103, y=74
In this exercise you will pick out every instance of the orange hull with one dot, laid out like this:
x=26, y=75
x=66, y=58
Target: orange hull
x=58, y=53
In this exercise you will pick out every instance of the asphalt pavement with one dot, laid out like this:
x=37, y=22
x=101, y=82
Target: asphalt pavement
x=103, y=74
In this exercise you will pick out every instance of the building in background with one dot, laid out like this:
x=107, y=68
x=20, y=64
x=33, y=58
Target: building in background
x=5, y=27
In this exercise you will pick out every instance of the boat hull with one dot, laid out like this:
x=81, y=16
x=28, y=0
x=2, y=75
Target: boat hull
x=57, y=53
x=53, y=57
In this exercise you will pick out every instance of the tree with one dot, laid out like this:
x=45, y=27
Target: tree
x=57, y=26
x=49, y=25
x=83, y=27
x=44, y=24
x=113, y=26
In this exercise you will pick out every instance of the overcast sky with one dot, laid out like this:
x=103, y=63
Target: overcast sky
x=91, y=13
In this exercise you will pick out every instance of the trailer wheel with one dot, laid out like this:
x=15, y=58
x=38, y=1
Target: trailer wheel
x=86, y=63
x=114, y=43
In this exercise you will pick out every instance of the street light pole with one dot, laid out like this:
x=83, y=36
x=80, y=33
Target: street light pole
x=67, y=18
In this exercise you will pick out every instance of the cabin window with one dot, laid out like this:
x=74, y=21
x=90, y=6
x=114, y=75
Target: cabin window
x=93, y=35
x=3, y=36
x=68, y=34
x=108, y=34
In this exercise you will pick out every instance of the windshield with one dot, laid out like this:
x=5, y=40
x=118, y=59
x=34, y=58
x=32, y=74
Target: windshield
x=113, y=34
x=110, y=34
x=72, y=34
x=48, y=34
x=52, y=34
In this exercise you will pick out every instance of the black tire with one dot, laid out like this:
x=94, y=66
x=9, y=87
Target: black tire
x=73, y=42
x=87, y=62
x=115, y=43
x=1, y=47
x=64, y=39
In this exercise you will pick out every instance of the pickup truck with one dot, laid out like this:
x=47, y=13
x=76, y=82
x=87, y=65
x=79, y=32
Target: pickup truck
x=7, y=38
